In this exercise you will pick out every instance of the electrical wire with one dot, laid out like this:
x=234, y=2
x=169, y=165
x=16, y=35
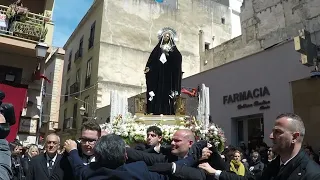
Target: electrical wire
x=86, y=89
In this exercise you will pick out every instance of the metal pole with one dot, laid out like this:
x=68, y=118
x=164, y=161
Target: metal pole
x=40, y=116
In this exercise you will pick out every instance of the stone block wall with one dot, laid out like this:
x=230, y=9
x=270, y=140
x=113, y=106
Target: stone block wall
x=265, y=24
x=129, y=34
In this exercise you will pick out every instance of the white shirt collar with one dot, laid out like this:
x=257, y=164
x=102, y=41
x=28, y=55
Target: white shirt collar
x=157, y=148
x=92, y=159
x=53, y=159
x=285, y=163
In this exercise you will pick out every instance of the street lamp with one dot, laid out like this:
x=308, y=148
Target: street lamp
x=82, y=110
x=41, y=50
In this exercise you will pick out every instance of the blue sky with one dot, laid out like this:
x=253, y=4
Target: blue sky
x=66, y=16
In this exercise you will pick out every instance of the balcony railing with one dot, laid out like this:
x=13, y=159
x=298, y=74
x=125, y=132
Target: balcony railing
x=69, y=66
x=78, y=54
x=18, y=22
x=87, y=81
x=74, y=89
x=66, y=97
x=91, y=41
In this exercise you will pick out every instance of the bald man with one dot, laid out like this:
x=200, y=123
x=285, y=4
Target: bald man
x=182, y=141
x=291, y=164
x=183, y=147
x=43, y=166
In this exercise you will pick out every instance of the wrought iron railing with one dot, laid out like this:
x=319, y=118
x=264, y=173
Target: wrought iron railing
x=87, y=81
x=91, y=42
x=69, y=65
x=74, y=89
x=27, y=25
x=66, y=97
x=78, y=54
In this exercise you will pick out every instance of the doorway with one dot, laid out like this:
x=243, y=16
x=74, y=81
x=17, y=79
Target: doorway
x=250, y=129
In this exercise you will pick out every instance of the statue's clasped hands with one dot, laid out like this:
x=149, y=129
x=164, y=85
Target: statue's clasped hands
x=146, y=70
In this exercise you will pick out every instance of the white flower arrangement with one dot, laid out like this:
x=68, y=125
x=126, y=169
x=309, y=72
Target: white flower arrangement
x=134, y=132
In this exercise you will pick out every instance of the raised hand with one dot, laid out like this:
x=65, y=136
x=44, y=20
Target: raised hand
x=206, y=153
x=207, y=168
x=70, y=145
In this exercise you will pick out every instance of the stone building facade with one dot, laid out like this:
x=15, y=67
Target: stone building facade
x=265, y=24
x=126, y=41
x=124, y=34
x=264, y=56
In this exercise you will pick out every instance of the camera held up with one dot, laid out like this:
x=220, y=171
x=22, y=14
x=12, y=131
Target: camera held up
x=7, y=111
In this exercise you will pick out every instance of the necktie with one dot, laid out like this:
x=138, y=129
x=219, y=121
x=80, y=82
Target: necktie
x=50, y=167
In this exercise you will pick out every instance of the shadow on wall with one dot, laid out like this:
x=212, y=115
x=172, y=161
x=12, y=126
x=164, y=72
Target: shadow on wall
x=103, y=114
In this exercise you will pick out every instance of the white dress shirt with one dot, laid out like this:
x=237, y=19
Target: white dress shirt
x=53, y=159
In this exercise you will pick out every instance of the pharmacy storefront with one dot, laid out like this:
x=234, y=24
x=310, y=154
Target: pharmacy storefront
x=246, y=95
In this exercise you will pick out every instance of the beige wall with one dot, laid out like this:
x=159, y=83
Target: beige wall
x=264, y=24
x=306, y=103
x=51, y=102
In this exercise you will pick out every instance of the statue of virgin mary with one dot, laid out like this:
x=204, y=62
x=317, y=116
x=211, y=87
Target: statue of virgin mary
x=163, y=74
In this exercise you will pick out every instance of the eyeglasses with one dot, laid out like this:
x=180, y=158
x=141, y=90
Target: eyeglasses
x=85, y=140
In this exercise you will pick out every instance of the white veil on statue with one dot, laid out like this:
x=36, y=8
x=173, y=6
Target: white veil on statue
x=119, y=105
x=204, y=106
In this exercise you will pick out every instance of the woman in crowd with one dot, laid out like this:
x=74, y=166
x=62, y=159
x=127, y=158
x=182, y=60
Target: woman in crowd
x=236, y=165
x=31, y=152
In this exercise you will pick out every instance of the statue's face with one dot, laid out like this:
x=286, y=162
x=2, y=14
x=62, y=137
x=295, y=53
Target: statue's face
x=166, y=37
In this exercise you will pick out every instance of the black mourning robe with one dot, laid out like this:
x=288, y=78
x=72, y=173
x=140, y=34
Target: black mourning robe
x=163, y=79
